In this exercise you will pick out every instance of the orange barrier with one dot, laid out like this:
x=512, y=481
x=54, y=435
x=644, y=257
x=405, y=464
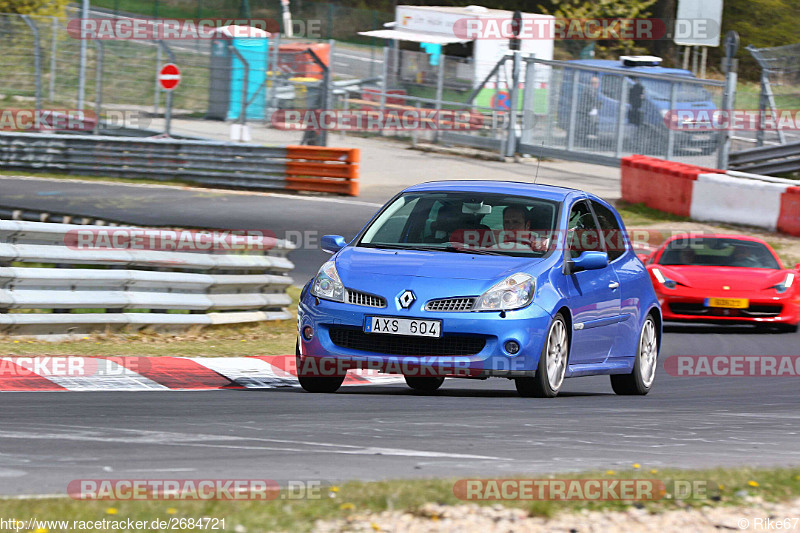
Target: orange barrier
x=323, y=169
x=663, y=185
x=789, y=218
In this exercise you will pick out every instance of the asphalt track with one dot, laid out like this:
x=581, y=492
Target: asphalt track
x=468, y=428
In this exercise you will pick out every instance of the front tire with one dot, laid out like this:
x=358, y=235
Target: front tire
x=424, y=384
x=640, y=380
x=317, y=384
x=552, y=364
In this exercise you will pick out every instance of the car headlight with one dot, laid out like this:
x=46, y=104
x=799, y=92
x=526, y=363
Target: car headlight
x=666, y=282
x=785, y=284
x=327, y=284
x=513, y=292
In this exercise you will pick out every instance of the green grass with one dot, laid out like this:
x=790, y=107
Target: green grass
x=728, y=487
x=640, y=215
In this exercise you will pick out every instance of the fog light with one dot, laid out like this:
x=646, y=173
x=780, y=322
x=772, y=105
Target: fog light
x=308, y=333
x=512, y=347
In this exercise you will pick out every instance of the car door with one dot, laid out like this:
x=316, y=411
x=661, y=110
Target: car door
x=593, y=294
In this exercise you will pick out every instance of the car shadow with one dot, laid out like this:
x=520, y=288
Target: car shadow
x=746, y=329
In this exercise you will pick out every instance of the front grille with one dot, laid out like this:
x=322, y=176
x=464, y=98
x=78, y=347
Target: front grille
x=452, y=345
x=763, y=310
x=450, y=304
x=688, y=309
x=701, y=309
x=365, y=299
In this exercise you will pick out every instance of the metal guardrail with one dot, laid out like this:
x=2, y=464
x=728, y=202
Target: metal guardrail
x=125, y=288
x=206, y=162
x=768, y=159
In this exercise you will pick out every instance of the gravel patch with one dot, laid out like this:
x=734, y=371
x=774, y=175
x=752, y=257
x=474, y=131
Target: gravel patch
x=498, y=519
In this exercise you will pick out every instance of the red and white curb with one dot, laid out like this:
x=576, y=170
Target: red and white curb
x=67, y=373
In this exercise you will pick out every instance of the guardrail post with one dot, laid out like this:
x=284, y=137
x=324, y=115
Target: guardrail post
x=728, y=99
x=37, y=60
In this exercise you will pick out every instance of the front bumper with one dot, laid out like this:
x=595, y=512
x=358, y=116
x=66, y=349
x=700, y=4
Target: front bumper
x=471, y=343
x=690, y=306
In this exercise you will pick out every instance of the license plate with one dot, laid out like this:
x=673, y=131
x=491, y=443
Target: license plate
x=730, y=303
x=403, y=326
x=701, y=137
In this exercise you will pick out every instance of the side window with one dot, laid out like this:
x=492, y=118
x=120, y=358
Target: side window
x=582, y=233
x=610, y=231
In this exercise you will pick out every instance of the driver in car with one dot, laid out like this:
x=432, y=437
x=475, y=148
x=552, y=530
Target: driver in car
x=516, y=234
x=741, y=257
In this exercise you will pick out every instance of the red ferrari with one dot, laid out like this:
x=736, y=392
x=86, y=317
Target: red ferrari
x=724, y=279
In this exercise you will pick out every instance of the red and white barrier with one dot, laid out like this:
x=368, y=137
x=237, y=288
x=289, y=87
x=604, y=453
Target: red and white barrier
x=712, y=195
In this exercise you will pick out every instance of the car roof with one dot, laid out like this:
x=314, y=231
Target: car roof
x=518, y=188
x=615, y=64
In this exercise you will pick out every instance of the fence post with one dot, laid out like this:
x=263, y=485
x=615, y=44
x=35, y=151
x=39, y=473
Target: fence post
x=168, y=110
x=673, y=100
x=529, y=102
x=384, y=83
x=511, y=140
x=98, y=85
x=621, y=112
x=728, y=99
x=157, y=92
x=439, y=93
x=53, y=52
x=37, y=60
x=573, y=111
x=82, y=58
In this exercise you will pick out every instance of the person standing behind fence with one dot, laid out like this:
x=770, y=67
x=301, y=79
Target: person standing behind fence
x=636, y=97
x=588, y=110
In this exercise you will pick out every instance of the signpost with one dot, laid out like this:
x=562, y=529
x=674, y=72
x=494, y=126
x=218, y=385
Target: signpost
x=169, y=77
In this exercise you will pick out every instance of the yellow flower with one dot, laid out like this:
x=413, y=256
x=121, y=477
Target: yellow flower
x=111, y=510
x=172, y=510
x=347, y=506
x=753, y=483
x=610, y=472
x=654, y=471
x=16, y=342
x=375, y=526
x=721, y=486
x=637, y=465
x=42, y=530
x=334, y=489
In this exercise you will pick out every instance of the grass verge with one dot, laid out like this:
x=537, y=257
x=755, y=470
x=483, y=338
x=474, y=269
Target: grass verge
x=729, y=487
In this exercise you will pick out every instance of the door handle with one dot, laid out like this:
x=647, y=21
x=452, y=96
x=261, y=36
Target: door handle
x=613, y=285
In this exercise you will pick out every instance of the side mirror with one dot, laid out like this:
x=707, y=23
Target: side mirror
x=332, y=243
x=588, y=261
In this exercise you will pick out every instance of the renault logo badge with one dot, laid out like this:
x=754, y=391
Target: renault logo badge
x=406, y=299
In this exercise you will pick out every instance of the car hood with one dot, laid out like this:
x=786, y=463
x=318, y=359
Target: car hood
x=735, y=278
x=353, y=262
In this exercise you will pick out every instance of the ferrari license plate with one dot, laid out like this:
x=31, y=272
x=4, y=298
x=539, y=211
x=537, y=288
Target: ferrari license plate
x=730, y=303
x=403, y=326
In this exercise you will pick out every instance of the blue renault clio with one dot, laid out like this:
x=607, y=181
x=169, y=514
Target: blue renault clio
x=483, y=279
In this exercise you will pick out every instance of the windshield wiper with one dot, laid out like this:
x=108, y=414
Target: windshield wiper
x=424, y=248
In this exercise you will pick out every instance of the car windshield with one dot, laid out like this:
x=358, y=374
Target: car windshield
x=481, y=223
x=706, y=251
x=661, y=90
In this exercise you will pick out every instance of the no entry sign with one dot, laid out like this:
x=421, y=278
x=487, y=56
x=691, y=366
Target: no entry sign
x=169, y=77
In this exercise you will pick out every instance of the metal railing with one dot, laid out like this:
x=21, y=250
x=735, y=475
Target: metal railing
x=205, y=162
x=774, y=159
x=90, y=289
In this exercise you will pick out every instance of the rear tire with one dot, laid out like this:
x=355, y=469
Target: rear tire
x=640, y=380
x=424, y=384
x=317, y=384
x=552, y=364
